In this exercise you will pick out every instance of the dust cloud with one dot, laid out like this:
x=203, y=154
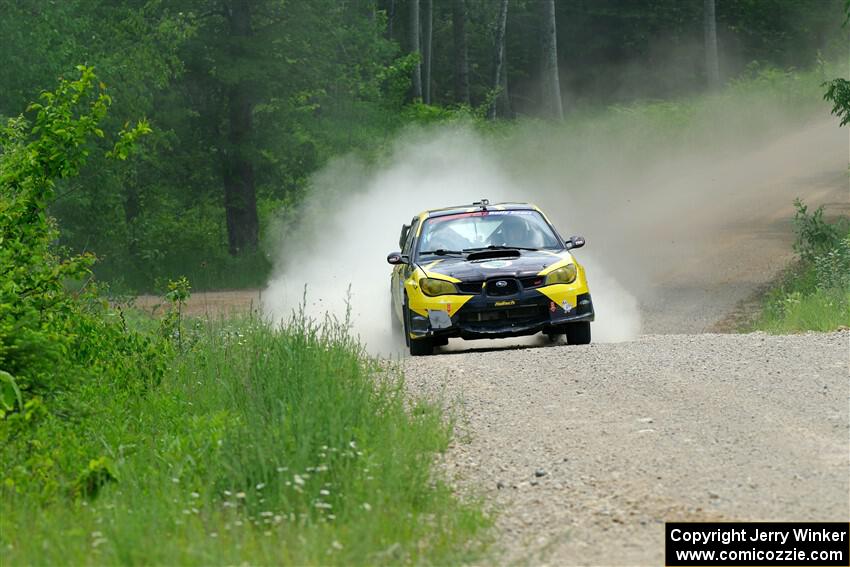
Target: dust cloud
x=337, y=252
x=678, y=229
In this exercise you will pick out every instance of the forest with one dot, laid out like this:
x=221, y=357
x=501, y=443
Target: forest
x=245, y=99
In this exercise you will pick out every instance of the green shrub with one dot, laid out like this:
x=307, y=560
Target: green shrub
x=59, y=340
x=43, y=327
x=814, y=236
x=814, y=295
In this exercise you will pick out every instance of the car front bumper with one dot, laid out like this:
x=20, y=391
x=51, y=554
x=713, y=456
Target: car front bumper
x=525, y=313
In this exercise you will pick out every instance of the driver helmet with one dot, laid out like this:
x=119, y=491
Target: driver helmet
x=515, y=231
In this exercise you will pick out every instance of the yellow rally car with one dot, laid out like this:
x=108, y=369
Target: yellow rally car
x=487, y=271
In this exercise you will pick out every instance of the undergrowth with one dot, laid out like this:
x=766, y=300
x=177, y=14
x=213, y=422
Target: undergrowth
x=261, y=445
x=814, y=294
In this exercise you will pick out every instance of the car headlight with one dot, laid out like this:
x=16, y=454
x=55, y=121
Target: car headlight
x=432, y=287
x=564, y=275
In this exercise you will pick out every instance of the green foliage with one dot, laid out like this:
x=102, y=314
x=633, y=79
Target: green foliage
x=36, y=314
x=94, y=477
x=832, y=268
x=793, y=312
x=838, y=91
x=814, y=235
x=260, y=446
x=815, y=293
x=10, y=394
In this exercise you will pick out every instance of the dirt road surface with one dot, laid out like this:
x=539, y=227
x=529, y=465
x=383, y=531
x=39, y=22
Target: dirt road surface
x=627, y=436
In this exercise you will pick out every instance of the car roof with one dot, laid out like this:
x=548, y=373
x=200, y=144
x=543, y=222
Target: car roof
x=511, y=206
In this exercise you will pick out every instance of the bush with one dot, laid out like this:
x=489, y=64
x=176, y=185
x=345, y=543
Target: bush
x=50, y=337
x=814, y=236
x=815, y=293
x=832, y=268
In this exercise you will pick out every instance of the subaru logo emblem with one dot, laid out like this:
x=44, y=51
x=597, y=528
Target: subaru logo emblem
x=501, y=283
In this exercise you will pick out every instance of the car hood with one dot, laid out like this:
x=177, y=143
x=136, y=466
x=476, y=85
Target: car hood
x=528, y=263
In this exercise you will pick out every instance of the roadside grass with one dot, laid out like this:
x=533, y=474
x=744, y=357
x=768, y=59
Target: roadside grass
x=814, y=293
x=259, y=446
x=787, y=309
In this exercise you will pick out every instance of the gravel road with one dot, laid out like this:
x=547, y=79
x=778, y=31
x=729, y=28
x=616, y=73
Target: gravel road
x=585, y=451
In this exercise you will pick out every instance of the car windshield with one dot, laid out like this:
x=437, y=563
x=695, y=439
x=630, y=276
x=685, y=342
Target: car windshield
x=523, y=229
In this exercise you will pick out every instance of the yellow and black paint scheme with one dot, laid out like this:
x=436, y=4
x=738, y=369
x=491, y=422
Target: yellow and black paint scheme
x=489, y=294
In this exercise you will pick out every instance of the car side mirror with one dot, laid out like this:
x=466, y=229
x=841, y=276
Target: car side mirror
x=395, y=258
x=575, y=242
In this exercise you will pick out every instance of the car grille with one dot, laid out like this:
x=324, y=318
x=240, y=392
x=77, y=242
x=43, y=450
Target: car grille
x=521, y=314
x=470, y=287
x=512, y=287
x=509, y=286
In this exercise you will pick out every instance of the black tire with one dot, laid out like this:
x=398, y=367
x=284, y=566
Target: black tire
x=418, y=347
x=421, y=347
x=578, y=333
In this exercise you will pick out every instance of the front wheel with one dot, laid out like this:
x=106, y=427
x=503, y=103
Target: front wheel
x=418, y=347
x=578, y=333
x=421, y=347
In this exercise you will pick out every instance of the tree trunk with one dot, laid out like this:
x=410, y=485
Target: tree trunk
x=461, y=59
x=390, y=18
x=427, y=25
x=240, y=199
x=712, y=65
x=551, y=81
x=500, y=80
x=414, y=48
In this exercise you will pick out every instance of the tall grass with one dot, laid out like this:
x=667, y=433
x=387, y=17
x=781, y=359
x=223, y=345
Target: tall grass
x=262, y=446
x=814, y=294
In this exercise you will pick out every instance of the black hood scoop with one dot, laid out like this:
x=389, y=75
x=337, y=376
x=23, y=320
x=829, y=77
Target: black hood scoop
x=490, y=254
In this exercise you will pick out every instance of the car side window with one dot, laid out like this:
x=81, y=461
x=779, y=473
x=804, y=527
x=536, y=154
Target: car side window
x=411, y=236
